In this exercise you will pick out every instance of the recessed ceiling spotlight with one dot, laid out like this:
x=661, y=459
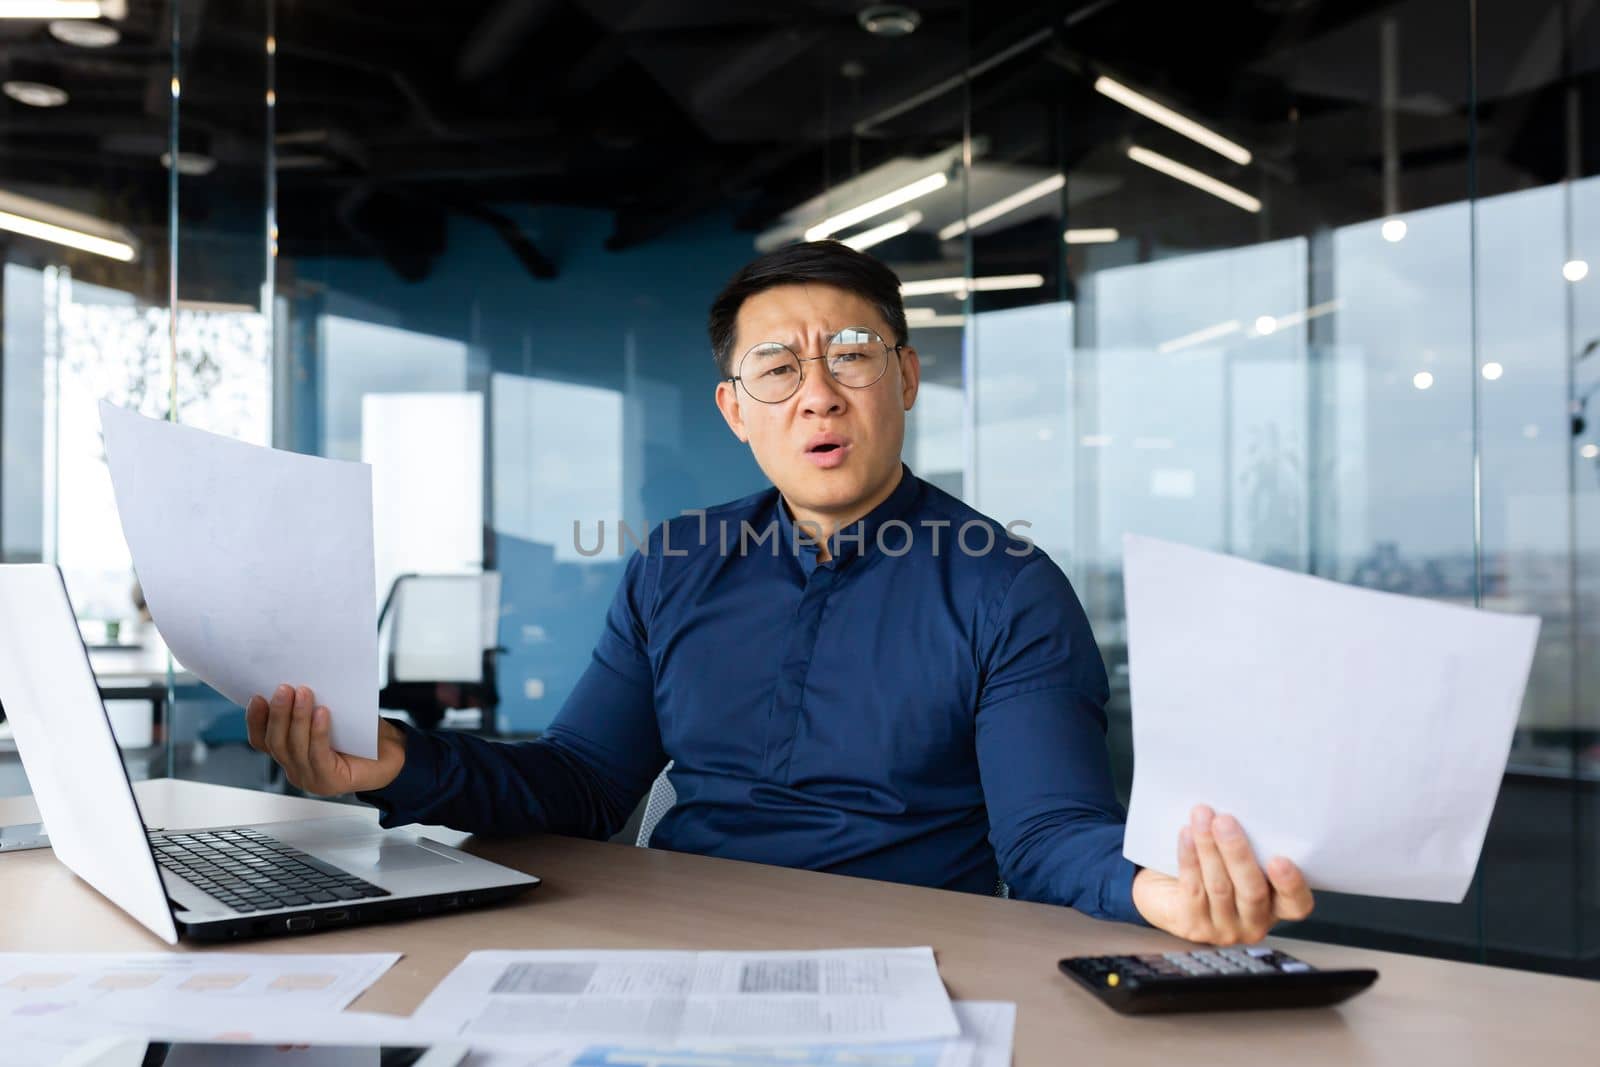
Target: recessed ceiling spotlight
x=85, y=34
x=191, y=164
x=889, y=20
x=35, y=94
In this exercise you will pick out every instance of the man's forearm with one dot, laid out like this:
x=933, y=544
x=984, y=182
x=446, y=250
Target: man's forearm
x=583, y=777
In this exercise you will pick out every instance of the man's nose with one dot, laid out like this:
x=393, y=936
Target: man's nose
x=819, y=393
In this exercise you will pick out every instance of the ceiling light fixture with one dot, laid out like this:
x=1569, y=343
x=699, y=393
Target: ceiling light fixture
x=933, y=286
x=1204, y=182
x=1574, y=270
x=1492, y=372
x=191, y=164
x=63, y=9
x=1393, y=230
x=889, y=20
x=877, y=206
x=47, y=222
x=1171, y=119
x=35, y=94
x=1422, y=380
x=879, y=234
x=1003, y=206
x=1091, y=235
x=82, y=34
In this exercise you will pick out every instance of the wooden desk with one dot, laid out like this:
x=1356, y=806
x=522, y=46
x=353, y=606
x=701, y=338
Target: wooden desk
x=597, y=895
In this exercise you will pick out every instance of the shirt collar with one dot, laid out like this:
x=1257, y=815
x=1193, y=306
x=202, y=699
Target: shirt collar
x=898, y=502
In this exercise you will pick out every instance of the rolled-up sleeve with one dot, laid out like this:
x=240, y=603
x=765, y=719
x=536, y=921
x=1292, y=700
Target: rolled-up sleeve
x=1054, y=819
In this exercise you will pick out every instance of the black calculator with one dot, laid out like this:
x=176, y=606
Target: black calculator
x=1222, y=979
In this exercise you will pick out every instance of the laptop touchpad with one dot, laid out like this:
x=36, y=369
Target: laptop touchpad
x=385, y=856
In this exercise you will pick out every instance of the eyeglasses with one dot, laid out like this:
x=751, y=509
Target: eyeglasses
x=856, y=357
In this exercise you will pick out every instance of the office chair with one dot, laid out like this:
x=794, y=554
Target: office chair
x=662, y=797
x=442, y=643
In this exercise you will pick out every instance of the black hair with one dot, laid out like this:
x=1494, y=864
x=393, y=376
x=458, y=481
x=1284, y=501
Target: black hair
x=811, y=263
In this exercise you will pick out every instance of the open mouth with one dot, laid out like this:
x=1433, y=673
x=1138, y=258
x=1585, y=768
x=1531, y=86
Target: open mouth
x=824, y=448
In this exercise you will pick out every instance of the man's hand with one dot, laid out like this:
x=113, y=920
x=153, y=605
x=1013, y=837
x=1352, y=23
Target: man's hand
x=1221, y=895
x=294, y=731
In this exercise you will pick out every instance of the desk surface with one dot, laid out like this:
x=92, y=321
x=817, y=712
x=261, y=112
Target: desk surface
x=613, y=896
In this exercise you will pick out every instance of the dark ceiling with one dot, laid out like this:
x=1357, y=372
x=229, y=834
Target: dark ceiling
x=391, y=116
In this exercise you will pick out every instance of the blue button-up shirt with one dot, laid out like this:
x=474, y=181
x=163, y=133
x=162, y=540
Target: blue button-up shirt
x=927, y=707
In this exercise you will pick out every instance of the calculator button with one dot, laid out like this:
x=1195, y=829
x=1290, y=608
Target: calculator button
x=1258, y=951
x=1294, y=967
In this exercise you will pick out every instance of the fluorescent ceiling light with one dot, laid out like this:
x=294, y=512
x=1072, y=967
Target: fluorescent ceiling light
x=1204, y=182
x=1198, y=337
x=191, y=164
x=1268, y=324
x=1003, y=206
x=63, y=9
x=47, y=222
x=879, y=234
x=877, y=206
x=34, y=94
x=932, y=317
x=84, y=34
x=930, y=286
x=1091, y=235
x=1171, y=119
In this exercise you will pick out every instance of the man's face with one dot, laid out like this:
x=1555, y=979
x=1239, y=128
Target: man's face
x=828, y=448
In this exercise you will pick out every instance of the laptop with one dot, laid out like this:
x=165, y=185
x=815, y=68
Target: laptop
x=205, y=885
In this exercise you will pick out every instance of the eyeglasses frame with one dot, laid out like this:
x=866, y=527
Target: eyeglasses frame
x=803, y=360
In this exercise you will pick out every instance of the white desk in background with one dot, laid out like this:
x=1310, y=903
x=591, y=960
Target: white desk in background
x=132, y=680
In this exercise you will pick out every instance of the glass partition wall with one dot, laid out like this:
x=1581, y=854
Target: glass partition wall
x=1306, y=283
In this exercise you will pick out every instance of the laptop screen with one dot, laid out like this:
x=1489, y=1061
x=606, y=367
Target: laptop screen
x=67, y=748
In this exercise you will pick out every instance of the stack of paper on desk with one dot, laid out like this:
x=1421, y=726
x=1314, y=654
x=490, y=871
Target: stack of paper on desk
x=695, y=998
x=1362, y=735
x=859, y=1008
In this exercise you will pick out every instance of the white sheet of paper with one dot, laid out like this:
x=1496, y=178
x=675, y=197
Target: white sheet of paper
x=1361, y=734
x=991, y=1026
x=694, y=998
x=257, y=564
x=184, y=989
x=987, y=1031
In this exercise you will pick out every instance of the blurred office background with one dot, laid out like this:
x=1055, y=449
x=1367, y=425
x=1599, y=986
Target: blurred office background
x=1300, y=280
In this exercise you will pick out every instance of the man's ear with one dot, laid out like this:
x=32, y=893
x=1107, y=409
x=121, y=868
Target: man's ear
x=910, y=375
x=728, y=404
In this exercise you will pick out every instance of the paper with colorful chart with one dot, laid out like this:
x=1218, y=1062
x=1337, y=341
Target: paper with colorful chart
x=150, y=987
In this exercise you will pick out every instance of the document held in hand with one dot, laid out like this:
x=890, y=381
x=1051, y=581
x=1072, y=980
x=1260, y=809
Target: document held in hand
x=1362, y=735
x=257, y=564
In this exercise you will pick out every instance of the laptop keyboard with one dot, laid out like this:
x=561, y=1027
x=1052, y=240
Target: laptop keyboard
x=250, y=871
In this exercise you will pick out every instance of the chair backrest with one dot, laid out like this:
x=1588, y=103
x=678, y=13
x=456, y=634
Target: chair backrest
x=662, y=797
x=441, y=625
